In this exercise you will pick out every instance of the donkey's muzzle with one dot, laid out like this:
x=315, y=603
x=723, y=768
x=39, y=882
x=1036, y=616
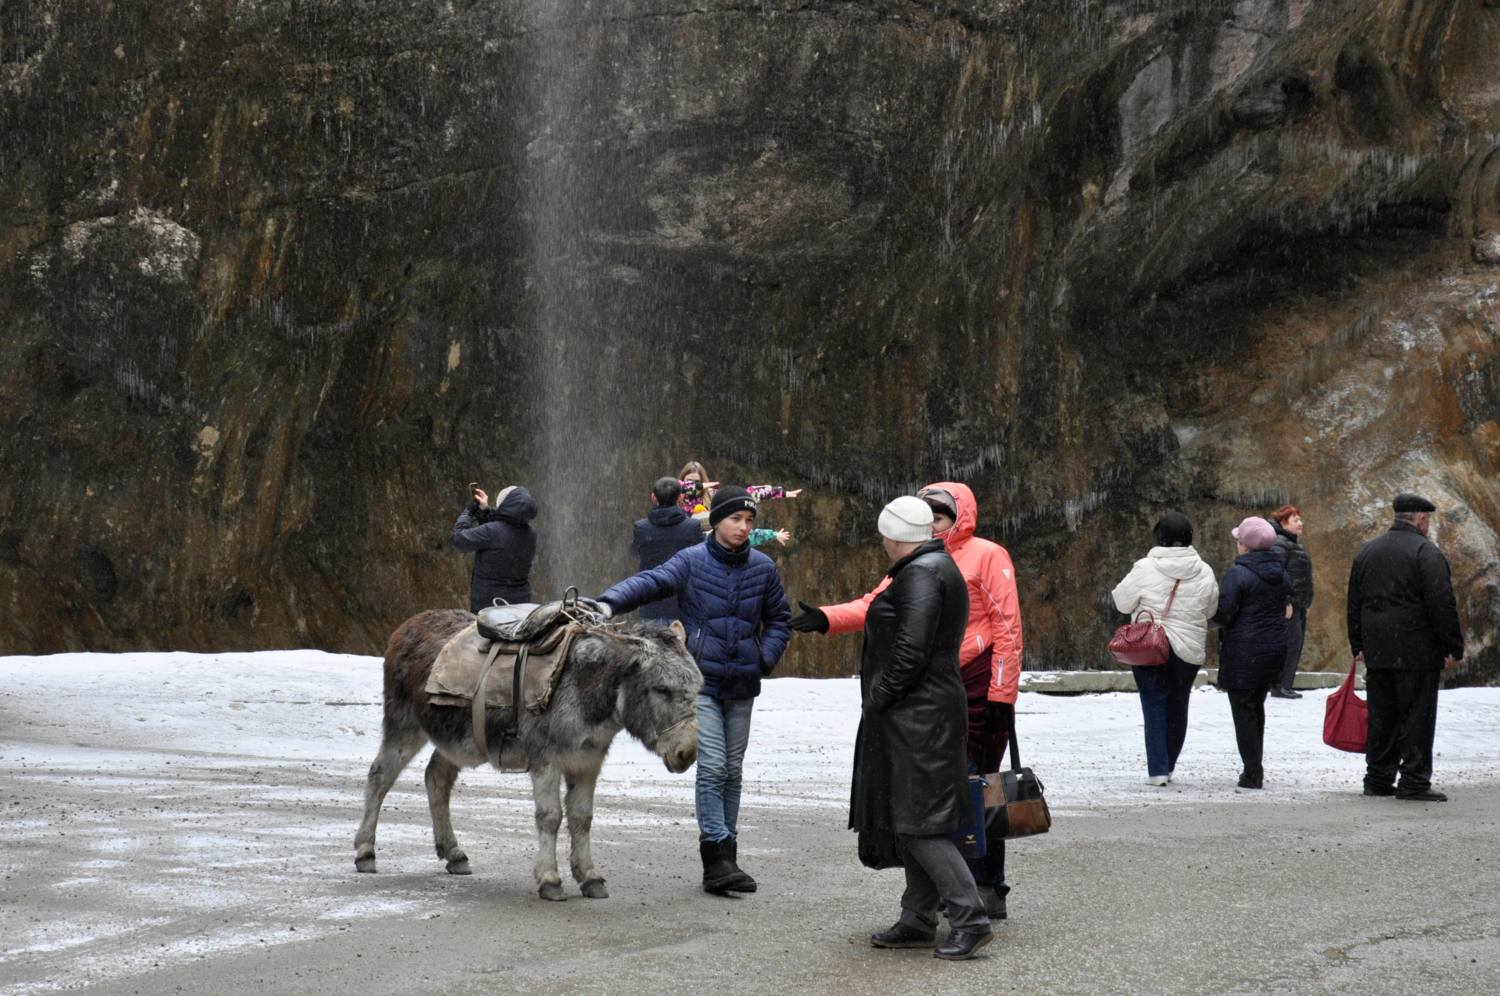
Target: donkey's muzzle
x=679, y=749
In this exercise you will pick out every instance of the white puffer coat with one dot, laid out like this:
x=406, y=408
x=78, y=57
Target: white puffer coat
x=1149, y=584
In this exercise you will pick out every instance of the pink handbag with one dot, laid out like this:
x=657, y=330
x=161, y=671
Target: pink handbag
x=1143, y=644
x=1346, y=718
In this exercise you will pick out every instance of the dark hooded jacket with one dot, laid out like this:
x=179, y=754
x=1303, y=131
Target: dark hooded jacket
x=1298, y=566
x=1252, y=621
x=733, y=608
x=658, y=538
x=1401, y=612
x=910, y=756
x=503, y=549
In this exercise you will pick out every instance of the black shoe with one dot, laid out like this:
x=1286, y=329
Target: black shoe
x=902, y=936
x=1384, y=790
x=1427, y=796
x=961, y=945
x=1251, y=780
x=742, y=881
x=1284, y=693
x=718, y=872
x=994, y=902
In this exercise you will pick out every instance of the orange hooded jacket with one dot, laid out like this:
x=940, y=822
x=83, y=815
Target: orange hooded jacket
x=994, y=604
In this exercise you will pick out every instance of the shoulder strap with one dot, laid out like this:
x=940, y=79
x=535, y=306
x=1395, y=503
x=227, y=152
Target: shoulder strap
x=1015, y=750
x=1171, y=598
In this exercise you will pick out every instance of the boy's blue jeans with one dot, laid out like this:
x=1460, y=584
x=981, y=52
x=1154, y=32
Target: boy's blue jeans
x=1165, y=692
x=723, y=734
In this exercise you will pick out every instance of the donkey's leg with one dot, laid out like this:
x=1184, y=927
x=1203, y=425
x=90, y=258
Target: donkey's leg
x=545, y=780
x=580, y=807
x=441, y=774
x=397, y=748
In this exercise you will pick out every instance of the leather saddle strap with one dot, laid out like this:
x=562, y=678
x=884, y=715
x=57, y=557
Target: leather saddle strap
x=515, y=690
x=480, y=740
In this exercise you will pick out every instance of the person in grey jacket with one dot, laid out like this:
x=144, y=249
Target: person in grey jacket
x=1287, y=522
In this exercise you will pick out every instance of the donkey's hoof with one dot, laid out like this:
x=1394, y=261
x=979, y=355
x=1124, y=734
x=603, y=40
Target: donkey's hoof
x=365, y=863
x=459, y=866
x=552, y=892
x=594, y=889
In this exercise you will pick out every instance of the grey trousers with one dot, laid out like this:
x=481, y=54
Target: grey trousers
x=1296, y=632
x=936, y=872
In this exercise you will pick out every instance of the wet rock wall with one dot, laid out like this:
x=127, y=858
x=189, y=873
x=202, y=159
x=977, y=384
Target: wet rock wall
x=276, y=280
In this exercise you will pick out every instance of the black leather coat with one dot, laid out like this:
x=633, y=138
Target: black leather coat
x=910, y=770
x=1298, y=564
x=1401, y=610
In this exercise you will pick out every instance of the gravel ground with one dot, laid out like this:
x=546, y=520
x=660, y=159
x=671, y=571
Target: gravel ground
x=137, y=857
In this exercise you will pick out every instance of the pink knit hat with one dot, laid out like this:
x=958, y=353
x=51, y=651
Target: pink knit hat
x=1256, y=533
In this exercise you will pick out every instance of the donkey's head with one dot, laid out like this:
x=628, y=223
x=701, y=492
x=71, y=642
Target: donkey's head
x=659, y=696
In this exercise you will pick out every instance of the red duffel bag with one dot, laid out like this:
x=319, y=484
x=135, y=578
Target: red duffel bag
x=1346, y=719
x=1143, y=644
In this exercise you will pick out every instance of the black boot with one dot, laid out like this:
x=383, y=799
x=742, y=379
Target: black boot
x=961, y=944
x=902, y=936
x=1252, y=778
x=742, y=881
x=718, y=872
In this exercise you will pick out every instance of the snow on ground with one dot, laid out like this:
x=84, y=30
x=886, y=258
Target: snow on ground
x=225, y=788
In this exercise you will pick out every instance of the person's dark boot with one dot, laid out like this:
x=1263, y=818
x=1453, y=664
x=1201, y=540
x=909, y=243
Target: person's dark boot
x=1277, y=692
x=994, y=902
x=718, y=873
x=1383, y=790
x=902, y=936
x=961, y=944
x=1427, y=795
x=1251, y=779
x=742, y=882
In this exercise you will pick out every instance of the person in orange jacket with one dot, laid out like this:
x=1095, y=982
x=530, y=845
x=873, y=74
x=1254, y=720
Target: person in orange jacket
x=990, y=661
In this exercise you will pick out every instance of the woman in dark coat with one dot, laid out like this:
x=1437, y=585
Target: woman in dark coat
x=911, y=779
x=1252, y=638
x=503, y=543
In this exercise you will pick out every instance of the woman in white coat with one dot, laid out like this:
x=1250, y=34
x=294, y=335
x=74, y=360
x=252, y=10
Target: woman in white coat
x=1171, y=565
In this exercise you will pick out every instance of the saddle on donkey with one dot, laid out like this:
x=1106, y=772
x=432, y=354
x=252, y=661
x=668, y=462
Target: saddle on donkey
x=510, y=654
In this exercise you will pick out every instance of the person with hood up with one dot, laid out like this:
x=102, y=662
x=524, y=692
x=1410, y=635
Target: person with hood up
x=503, y=543
x=735, y=613
x=911, y=782
x=1287, y=522
x=990, y=658
x=1252, y=638
x=1171, y=572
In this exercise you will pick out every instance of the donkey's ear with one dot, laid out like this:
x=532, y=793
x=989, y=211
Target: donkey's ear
x=678, y=631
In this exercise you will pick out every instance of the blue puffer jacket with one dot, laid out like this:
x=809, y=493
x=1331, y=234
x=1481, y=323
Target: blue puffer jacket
x=1253, y=598
x=733, y=608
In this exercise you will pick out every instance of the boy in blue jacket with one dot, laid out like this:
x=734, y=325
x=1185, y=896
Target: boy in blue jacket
x=735, y=613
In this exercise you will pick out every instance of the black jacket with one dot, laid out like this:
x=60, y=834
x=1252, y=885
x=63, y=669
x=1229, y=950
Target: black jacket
x=910, y=758
x=1252, y=621
x=1402, y=614
x=1298, y=567
x=503, y=549
x=658, y=538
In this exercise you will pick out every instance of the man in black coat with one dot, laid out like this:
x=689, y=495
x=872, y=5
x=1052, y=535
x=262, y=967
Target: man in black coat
x=503, y=543
x=911, y=776
x=1403, y=622
x=658, y=537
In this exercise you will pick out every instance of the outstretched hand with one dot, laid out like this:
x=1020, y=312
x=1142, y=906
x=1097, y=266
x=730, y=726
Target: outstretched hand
x=482, y=498
x=812, y=619
x=783, y=536
x=792, y=494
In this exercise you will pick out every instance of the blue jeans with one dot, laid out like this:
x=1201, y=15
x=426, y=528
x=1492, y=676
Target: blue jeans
x=723, y=734
x=1164, y=705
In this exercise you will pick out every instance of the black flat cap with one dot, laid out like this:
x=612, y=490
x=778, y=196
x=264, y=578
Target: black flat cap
x=1412, y=503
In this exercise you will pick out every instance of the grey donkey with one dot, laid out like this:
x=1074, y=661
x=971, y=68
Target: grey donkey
x=622, y=676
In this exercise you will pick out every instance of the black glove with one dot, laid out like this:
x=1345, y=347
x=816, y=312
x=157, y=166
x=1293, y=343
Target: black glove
x=472, y=509
x=812, y=619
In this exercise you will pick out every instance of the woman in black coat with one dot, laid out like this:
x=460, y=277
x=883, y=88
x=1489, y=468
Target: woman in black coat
x=503, y=543
x=1252, y=638
x=911, y=779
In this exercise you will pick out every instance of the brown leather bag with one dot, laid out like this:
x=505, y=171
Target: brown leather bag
x=1143, y=644
x=1013, y=802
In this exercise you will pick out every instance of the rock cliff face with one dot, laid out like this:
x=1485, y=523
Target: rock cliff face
x=278, y=278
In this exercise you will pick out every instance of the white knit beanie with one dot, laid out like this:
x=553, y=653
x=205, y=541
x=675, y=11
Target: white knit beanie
x=908, y=519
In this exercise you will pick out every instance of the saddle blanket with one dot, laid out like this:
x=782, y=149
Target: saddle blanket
x=455, y=673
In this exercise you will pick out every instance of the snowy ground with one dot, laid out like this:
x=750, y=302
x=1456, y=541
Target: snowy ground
x=211, y=799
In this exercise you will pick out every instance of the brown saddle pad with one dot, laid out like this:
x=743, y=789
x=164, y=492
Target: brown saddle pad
x=455, y=673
